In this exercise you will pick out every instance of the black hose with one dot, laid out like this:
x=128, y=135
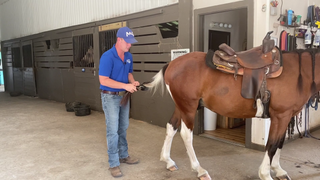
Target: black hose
x=307, y=128
x=297, y=124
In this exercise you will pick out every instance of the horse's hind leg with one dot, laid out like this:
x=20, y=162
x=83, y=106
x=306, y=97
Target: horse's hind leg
x=187, y=136
x=271, y=160
x=172, y=127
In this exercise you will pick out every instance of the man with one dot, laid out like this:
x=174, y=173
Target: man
x=115, y=75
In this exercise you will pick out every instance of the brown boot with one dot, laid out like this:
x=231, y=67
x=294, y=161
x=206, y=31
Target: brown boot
x=129, y=160
x=115, y=172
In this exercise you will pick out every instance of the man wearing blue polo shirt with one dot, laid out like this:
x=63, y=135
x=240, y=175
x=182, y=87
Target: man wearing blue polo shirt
x=115, y=75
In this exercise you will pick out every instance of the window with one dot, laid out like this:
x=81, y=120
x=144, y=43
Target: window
x=107, y=39
x=27, y=56
x=83, y=51
x=16, y=57
x=169, y=29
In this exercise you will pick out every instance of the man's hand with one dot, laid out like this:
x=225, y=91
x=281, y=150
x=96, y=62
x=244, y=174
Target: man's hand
x=135, y=83
x=130, y=88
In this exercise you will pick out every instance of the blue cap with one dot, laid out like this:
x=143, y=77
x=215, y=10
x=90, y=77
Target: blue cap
x=126, y=34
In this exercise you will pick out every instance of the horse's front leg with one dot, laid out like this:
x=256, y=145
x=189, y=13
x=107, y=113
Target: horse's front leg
x=265, y=167
x=275, y=166
x=187, y=136
x=271, y=160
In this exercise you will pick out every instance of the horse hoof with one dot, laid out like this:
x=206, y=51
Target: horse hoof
x=173, y=168
x=205, y=177
x=284, y=177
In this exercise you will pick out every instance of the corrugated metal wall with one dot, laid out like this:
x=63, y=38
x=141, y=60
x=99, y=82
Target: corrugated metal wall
x=25, y=17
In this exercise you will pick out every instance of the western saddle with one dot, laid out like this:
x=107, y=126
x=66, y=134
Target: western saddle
x=255, y=65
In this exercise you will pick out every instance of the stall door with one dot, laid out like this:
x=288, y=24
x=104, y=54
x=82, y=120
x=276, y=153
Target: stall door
x=85, y=74
x=29, y=85
x=7, y=68
x=17, y=68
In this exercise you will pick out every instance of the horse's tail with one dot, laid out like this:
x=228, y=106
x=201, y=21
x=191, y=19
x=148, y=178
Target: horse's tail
x=158, y=81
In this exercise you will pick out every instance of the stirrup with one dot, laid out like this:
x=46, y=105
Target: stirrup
x=259, y=108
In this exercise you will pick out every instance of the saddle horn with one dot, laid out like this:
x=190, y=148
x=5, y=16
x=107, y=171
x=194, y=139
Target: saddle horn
x=267, y=43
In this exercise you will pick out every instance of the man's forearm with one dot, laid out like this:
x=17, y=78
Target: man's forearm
x=131, y=78
x=106, y=81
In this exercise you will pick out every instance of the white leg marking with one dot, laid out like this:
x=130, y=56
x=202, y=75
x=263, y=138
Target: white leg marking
x=275, y=164
x=264, y=170
x=187, y=137
x=165, y=153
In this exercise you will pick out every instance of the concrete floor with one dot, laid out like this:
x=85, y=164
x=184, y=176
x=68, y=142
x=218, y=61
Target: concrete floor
x=40, y=140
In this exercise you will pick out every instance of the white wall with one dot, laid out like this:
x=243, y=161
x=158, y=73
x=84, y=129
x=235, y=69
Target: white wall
x=25, y=17
x=237, y=19
x=260, y=24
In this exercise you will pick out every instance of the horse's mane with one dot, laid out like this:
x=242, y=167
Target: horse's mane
x=312, y=52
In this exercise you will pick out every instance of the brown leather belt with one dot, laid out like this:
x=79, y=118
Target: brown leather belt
x=120, y=93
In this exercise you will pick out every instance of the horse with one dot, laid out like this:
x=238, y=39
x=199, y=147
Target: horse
x=189, y=80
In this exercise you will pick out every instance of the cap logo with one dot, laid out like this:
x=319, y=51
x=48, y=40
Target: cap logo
x=129, y=33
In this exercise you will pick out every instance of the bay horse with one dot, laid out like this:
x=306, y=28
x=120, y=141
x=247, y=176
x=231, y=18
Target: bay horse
x=190, y=80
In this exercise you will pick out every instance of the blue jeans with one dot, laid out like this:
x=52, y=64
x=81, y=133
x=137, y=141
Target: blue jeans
x=117, y=122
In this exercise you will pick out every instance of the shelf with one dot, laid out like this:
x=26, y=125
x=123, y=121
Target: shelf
x=291, y=26
x=284, y=20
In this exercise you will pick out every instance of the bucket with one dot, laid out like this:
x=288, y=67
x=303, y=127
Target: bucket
x=82, y=110
x=70, y=106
